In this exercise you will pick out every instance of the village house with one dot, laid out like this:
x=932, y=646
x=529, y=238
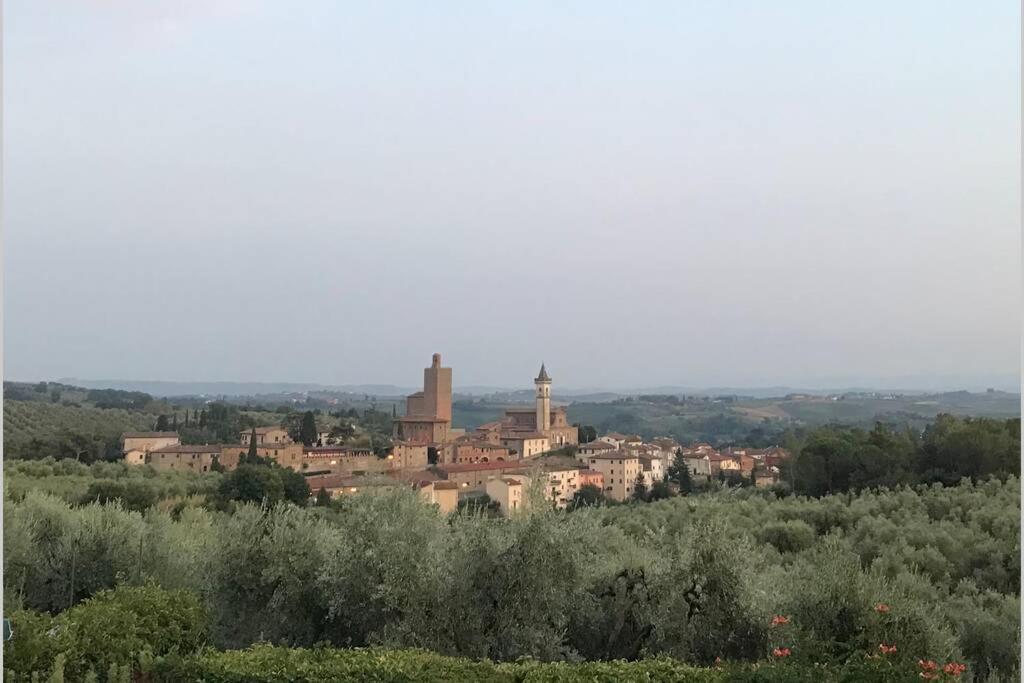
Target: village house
x=509, y=493
x=474, y=476
x=181, y=457
x=265, y=435
x=563, y=481
x=524, y=444
x=443, y=494
x=619, y=472
x=699, y=465
x=341, y=485
x=653, y=469
x=469, y=449
x=597, y=447
x=341, y=460
x=613, y=438
x=589, y=477
x=286, y=454
x=135, y=445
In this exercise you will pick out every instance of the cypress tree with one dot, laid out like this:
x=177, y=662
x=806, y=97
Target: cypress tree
x=252, y=457
x=323, y=499
x=308, y=429
x=640, y=488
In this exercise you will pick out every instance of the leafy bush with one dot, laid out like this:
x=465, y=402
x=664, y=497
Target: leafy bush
x=691, y=578
x=787, y=537
x=114, y=628
x=267, y=664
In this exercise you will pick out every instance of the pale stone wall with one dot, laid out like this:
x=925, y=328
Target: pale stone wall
x=265, y=435
x=619, y=474
x=149, y=443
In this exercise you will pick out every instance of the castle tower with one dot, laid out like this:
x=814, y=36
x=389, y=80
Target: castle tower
x=437, y=390
x=543, y=383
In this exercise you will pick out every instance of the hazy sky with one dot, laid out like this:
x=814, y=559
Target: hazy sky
x=637, y=193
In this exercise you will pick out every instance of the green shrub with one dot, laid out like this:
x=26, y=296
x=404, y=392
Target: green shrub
x=787, y=537
x=113, y=629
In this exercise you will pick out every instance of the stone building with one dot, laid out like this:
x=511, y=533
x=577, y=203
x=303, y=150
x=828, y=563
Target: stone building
x=428, y=413
x=265, y=435
x=618, y=471
x=531, y=431
x=179, y=457
x=135, y=445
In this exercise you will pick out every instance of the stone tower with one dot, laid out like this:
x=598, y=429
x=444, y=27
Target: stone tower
x=437, y=390
x=543, y=383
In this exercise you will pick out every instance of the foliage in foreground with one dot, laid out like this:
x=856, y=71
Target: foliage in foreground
x=693, y=579
x=269, y=664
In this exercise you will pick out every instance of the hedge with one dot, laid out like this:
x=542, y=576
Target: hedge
x=271, y=664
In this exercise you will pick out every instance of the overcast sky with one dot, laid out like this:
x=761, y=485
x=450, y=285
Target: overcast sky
x=637, y=193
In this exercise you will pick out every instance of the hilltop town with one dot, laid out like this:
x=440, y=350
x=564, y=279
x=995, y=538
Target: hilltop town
x=495, y=462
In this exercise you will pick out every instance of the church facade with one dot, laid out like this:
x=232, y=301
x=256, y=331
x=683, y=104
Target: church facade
x=544, y=427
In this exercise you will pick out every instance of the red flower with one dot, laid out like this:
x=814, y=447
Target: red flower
x=882, y=608
x=926, y=665
x=780, y=652
x=954, y=669
x=886, y=649
x=779, y=620
x=718, y=661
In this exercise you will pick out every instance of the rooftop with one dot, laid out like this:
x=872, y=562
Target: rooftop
x=180, y=448
x=597, y=445
x=512, y=434
x=542, y=376
x=483, y=466
x=150, y=435
x=263, y=430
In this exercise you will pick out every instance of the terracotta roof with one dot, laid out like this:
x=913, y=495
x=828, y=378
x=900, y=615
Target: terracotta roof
x=616, y=455
x=483, y=466
x=616, y=436
x=512, y=482
x=483, y=445
x=420, y=477
x=334, y=481
x=598, y=445
x=333, y=450
x=179, y=448
x=149, y=435
x=511, y=434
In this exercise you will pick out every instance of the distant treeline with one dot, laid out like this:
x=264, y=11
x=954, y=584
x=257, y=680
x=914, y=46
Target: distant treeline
x=836, y=459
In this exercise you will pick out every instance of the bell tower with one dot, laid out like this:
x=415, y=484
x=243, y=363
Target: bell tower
x=543, y=384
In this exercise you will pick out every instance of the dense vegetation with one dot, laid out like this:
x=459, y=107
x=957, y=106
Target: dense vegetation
x=932, y=571
x=137, y=488
x=835, y=459
x=727, y=420
x=34, y=429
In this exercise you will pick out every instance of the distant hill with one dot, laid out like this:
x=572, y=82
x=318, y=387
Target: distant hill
x=165, y=388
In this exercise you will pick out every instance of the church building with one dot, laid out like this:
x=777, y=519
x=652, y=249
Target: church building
x=537, y=429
